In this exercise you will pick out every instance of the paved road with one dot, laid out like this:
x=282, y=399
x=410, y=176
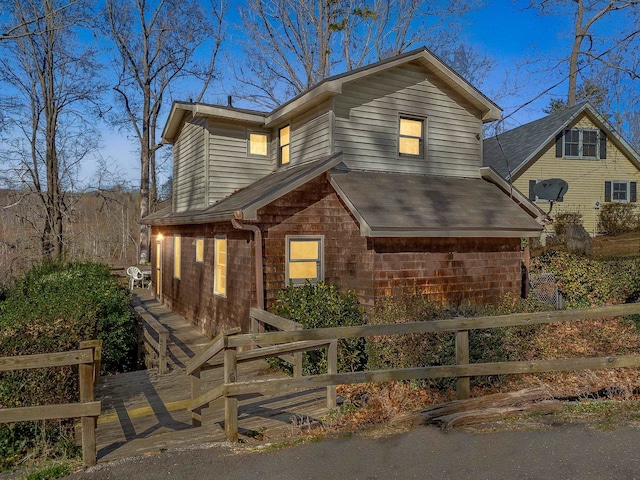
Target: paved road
x=561, y=453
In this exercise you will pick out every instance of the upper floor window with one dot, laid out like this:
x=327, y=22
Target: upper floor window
x=284, y=139
x=411, y=136
x=581, y=143
x=258, y=144
x=305, y=261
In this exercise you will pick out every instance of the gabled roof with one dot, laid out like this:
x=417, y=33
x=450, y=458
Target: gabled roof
x=510, y=153
x=401, y=205
x=330, y=87
x=244, y=203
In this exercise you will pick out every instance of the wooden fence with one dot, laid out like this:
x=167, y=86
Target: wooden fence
x=153, y=339
x=88, y=360
x=280, y=342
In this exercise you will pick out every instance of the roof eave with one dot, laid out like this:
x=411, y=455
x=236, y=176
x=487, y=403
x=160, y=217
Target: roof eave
x=453, y=232
x=490, y=175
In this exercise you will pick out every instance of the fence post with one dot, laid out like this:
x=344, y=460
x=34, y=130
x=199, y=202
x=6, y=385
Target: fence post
x=196, y=387
x=231, y=403
x=332, y=367
x=297, y=360
x=88, y=378
x=462, y=358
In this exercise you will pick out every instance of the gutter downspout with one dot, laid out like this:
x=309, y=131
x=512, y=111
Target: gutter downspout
x=257, y=238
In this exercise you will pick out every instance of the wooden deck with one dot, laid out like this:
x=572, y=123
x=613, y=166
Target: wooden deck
x=144, y=413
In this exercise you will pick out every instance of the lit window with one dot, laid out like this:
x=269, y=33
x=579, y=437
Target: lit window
x=220, y=267
x=304, y=259
x=177, y=255
x=258, y=144
x=200, y=250
x=285, y=140
x=411, y=136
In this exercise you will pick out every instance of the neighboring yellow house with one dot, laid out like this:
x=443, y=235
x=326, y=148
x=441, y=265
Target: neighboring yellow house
x=577, y=145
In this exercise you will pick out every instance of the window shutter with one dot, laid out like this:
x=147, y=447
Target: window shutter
x=532, y=195
x=632, y=193
x=603, y=145
x=607, y=191
x=559, y=145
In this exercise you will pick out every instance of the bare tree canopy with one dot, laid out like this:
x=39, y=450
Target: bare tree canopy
x=292, y=45
x=588, y=49
x=50, y=88
x=156, y=43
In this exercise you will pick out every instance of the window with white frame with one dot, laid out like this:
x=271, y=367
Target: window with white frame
x=620, y=191
x=220, y=267
x=177, y=256
x=583, y=143
x=284, y=145
x=258, y=144
x=411, y=136
x=199, y=242
x=304, y=259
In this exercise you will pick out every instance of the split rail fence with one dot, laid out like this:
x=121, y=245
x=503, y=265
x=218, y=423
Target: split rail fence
x=226, y=348
x=88, y=360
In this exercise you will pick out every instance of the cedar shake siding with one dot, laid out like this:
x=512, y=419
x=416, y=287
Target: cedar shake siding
x=192, y=295
x=448, y=270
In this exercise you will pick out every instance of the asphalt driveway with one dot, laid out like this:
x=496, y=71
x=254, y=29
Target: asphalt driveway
x=567, y=452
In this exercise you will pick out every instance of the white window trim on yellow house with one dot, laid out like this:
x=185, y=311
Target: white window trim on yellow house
x=220, y=266
x=304, y=259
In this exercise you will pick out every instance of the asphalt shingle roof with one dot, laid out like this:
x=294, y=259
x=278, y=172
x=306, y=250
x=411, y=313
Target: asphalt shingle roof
x=507, y=151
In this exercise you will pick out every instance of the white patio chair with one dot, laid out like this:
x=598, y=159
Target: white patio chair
x=135, y=275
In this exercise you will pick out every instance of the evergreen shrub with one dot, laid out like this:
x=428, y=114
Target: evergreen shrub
x=320, y=306
x=52, y=309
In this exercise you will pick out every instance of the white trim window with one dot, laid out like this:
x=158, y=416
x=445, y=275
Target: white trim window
x=582, y=143
x=620, y=191
x=177, y=256
x=304, y=259
x=220, y=266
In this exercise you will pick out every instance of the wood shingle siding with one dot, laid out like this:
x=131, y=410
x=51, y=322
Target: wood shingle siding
x=366, y=124
x=188, y=174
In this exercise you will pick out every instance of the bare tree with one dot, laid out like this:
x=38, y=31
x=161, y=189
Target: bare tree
x=156, y=41
x=49, y=81
x=587, y=48
x=25, y=27
x=293, y=45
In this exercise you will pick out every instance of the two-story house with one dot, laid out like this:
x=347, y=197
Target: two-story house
x=577, y=145
x=370, y=180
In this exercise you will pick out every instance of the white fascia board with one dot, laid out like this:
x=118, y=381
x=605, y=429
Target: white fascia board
x=305, y=102
x=490, y=175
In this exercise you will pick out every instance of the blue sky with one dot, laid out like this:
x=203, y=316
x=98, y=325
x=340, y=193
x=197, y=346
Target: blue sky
x=512, y=36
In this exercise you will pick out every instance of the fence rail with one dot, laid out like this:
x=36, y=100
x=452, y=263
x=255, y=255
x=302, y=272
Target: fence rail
x=88, y=360
x=295, y=340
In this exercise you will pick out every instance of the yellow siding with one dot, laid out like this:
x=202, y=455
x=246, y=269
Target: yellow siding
x=585, y=177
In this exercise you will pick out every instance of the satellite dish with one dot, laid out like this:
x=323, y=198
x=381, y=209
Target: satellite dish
x=552, y=189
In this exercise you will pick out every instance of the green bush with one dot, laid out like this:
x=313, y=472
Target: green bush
x=320, y=306
x=433, y=349
x=617, y=218
x=53, y=308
